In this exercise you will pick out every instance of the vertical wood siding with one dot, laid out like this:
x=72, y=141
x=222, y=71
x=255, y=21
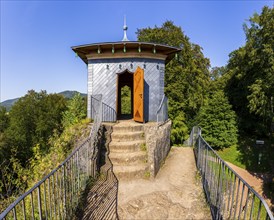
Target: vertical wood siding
x=102, y=79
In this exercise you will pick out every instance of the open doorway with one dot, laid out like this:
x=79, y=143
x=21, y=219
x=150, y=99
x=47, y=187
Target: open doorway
x=126, y=108
x=125, y=95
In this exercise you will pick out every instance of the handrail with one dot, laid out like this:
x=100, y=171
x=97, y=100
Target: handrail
x=227, y=193
x=58, y=193
x=162, y=111
x=108, y=114
x=10, y=207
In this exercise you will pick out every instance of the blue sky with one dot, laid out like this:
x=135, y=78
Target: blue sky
x=36, y=36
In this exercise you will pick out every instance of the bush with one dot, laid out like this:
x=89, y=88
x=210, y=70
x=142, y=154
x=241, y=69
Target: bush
x=76, y=111
x=218, y=122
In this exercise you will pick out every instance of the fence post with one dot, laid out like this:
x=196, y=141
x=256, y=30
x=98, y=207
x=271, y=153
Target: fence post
x=199, y=152
x=191, y=138
x=39, y=203
x=65, y=194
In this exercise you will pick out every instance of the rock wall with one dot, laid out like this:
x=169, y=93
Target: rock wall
x=158, y=144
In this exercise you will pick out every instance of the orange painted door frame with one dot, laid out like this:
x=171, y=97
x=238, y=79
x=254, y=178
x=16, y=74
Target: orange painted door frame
x=138, y=85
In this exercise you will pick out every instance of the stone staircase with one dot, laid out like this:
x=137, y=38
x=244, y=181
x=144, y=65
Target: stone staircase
x=128, y=150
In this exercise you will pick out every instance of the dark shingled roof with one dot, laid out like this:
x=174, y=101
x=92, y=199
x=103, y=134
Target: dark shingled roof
x=150, y=49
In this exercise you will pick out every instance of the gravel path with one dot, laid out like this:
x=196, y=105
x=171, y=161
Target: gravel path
x=176, y=192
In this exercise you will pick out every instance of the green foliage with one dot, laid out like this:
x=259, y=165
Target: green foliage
x=4, y=119
x=143, y=147
x=16, y=179
x=216, y=73
x=186, y=79
x=125, y=100
x=30, y=123
x=12, y=180
x=76, y=111
x=257, y=98
x=4, y=124
x=232, y=154
x=59, y=147
x=250, y=68
x=180, y=131
x=33, y=118
x=218, y=121
x=249, y=154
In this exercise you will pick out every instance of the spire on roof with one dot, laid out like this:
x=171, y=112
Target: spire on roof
x=125, y=30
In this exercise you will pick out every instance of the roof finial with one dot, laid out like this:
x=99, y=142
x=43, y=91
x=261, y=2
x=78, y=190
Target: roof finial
x=125, y=30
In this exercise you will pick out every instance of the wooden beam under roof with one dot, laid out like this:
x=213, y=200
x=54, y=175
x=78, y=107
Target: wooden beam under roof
x=90, y=51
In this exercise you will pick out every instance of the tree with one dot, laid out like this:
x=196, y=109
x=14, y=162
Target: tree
x=33, y=119
x=4, y=119
x=4, y=123
x=217, y=72
x=125, y=100
x=218, y=121
x=76, y=111
x=251, y=84
x=186, y=78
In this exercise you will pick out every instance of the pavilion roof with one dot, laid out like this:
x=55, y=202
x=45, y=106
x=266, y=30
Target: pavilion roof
x=125, y=49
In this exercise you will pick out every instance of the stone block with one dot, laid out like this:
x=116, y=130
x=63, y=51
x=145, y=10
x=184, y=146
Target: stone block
x=158, y=144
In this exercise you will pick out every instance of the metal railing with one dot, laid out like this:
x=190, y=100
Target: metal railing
x=162, y=113
x=57, y=195
x=229, y=196
x=102, y=199
x=108, y=114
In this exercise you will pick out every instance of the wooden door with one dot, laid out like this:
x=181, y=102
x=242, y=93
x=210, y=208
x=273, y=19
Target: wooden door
x=138, y=85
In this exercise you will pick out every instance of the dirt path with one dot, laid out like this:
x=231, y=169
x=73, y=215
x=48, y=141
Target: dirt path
x=255, y=182
x=176, y=192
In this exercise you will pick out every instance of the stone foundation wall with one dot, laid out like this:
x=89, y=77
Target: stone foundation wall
x=158, y=144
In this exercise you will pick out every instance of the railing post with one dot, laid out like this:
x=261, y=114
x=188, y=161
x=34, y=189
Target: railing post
x=39, y=203
x=45, y=201
x=199, y=152
x=219, y=190
x=14, y=213
x=64, y=187
x=50, y=204
x=162, y=111
x=24, y=209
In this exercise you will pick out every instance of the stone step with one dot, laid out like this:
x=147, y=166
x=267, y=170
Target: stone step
x=130, y=127
x=130, y=172
x=127, y=136
x=132, y=158
x=127, y=146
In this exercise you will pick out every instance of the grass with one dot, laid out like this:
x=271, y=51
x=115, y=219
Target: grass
x=147, y=174
x=232, y=155
x=245, y=155
x=143, y=147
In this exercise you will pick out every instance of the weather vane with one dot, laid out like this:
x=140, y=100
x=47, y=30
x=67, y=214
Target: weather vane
x=125, y=30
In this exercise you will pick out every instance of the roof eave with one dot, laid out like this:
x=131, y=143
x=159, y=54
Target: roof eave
x=83, y=50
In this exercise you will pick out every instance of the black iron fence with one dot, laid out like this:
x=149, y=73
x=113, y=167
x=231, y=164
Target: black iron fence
x=229, y=196
x=108, y=114
x=57, y=195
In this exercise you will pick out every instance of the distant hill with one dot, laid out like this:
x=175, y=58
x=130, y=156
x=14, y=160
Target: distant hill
x=67, y=94
x=9, y=103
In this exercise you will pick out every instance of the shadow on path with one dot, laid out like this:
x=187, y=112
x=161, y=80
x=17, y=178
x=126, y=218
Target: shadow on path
x=100, y=197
